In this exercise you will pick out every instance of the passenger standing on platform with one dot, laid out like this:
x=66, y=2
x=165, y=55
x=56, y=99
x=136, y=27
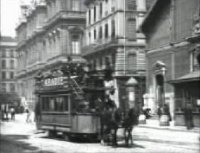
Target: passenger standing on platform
x=188, y=116
x=167, y=112
x=99, y=104
x=159, y=111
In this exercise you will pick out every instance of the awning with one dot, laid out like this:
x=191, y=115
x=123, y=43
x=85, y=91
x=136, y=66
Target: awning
x=193, y=76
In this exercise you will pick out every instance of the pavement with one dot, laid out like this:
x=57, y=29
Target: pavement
x=154, y=124
x=21, y=137
x=150, y=123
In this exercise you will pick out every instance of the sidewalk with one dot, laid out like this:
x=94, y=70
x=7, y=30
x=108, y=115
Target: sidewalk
x=152, y=123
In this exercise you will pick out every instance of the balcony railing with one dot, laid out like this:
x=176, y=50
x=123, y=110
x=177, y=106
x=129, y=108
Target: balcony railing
x=66, y=15
x=99, y=45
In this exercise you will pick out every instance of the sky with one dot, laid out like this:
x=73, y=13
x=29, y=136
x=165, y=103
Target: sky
x=9, y=16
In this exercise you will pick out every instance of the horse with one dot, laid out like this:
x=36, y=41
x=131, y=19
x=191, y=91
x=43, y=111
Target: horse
x=130, y=120
x=114, y=118
x=109, y=119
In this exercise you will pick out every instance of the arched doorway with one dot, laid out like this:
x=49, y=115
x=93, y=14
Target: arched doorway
x=159, y=84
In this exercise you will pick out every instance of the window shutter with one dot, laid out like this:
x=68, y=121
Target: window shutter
x=131, y=29
x=130, y=4
x=132, y=62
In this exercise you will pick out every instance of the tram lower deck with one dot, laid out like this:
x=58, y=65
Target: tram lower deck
x=63, y=111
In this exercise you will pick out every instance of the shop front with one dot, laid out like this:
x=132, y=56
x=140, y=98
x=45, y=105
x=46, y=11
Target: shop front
x=187, y=92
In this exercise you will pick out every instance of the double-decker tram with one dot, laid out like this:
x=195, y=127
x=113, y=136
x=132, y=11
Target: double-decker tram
x=67, y=102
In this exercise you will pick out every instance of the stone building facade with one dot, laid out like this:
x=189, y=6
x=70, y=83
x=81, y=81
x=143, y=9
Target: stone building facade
x=8, y=63
x=172, y=57
x=49, y=32
x=112, y=35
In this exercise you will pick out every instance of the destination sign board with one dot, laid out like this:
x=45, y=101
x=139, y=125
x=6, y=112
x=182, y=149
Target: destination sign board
x=54, y=81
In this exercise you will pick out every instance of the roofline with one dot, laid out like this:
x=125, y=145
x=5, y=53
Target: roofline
x=147, y=15
x=179, y=81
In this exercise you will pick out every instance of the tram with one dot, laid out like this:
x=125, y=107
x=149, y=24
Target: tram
x=66, y=102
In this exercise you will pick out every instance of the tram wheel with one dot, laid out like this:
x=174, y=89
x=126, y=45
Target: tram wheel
x=51, y=134
x=66, y=137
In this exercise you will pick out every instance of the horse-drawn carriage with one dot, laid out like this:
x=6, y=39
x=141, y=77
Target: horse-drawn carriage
x=77, y=104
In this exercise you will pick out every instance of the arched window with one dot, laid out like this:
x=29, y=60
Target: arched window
x=75, y=44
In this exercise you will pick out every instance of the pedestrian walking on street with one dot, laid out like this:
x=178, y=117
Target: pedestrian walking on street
x=12, y=111
x=167, y=112
x=188, y=116
x=28, y=114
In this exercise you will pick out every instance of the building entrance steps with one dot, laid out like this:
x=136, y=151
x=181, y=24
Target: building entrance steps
x=154, y=123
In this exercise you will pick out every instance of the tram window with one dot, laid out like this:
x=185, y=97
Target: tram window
x=52, y=104
x=66, y=101
x=45, y=104
x=59, y=104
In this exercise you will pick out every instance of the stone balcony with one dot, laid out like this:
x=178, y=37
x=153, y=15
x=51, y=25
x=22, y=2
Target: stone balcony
x=64, y=15
x=102, y=44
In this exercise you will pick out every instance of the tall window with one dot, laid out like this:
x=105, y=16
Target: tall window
x=195, y=63
x=100, y=32
x=12, y=64
x=75, y=47
x=131, y=29
x=75, y=44
x=113, y=28
x=132, y=62
x=75, y=5
x=106, y=30
x=89, y=14
x=11, y=75
x=95, y=34
x=3, y=63
x=89, y=37
x=3, y=88
x=3, y=53
x=12, y=53
x=12, y=87
x=3, y=75
x=101, y=10
x=113, y=5
x=94, y=13
x=130, y=5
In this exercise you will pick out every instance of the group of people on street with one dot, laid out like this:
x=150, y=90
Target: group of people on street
x=187, y=112
x=8, y=113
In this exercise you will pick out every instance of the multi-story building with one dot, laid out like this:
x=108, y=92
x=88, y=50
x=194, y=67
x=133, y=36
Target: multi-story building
x=48, y=33
x=112, y=35
x=8, y=64
x=173, y=52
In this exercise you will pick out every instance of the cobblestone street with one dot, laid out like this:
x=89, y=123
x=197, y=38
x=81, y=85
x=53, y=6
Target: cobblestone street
x=20, y=137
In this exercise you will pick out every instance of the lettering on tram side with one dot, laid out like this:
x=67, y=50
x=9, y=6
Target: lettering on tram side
x=54, y=81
